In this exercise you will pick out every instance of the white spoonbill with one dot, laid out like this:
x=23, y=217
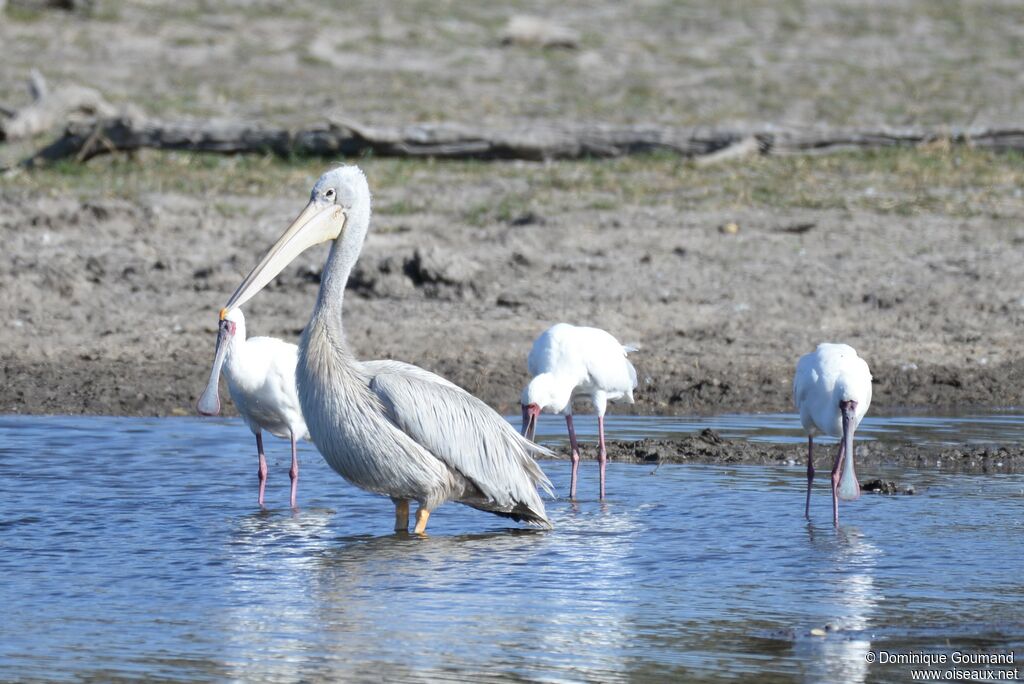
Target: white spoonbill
x=260, y=373
x=569, y=361
x=832, y=392
x=403, y=433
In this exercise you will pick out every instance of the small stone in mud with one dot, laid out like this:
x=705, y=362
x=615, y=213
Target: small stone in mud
x=95, y=269
x=539, y=32
x=880, y=487
x=730, y=228
x=711, y=436
x=509, y=301
x=434, y=265
x=797, y=228
x=528, y=218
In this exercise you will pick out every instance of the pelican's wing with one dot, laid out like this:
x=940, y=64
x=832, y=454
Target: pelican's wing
x=469, y=437
x=403, y=368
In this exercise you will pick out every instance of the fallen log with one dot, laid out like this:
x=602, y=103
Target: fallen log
x=84, y=140
x=745, y=147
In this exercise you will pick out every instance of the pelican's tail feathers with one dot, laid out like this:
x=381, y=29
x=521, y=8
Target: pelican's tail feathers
x=521, y=513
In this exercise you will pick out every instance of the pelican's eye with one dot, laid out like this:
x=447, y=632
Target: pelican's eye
x=329, y=194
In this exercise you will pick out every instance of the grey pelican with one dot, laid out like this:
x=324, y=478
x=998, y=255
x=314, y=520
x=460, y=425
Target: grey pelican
x=260, y=374
x=400, y=431
x=569, y=361
x=832, y=393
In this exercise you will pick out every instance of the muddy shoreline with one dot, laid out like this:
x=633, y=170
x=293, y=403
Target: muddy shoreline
x=111, y=303
x=153, y=387
x=708, y=447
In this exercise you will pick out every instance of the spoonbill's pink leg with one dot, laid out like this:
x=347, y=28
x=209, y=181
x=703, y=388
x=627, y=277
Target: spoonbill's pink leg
x=575, y=456
x=294, y=472
x=262, y=472
x=602, y=454
x=835, y=482
x=810, y=474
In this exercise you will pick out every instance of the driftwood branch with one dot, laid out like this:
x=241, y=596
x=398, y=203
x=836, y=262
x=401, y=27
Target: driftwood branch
x=86, y=139
x=51, y=109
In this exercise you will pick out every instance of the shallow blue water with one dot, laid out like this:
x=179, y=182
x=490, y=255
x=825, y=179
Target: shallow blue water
x=133, y=548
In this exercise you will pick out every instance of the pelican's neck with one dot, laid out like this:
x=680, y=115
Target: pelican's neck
x=327, y=314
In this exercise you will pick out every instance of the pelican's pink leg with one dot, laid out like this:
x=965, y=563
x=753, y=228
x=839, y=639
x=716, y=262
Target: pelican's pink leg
x=575, y=456
x=294, y=472
x=810, y=474
x=835, y=483
x=602, y=454
x=262, y=472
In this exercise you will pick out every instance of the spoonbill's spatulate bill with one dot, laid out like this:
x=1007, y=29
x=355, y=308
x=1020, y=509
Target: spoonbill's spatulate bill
x=260, y=373
x=832, y=392
x=569, y=361
x=400, y=430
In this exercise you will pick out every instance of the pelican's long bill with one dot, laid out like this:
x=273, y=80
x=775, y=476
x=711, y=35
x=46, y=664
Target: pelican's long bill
x=849, y=487
x=314, y=225
x=209, y=402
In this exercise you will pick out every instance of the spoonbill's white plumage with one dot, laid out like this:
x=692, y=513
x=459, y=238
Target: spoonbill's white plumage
x=397, y=430
x=260, y=374
x=570, y=361
x=832, y=393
